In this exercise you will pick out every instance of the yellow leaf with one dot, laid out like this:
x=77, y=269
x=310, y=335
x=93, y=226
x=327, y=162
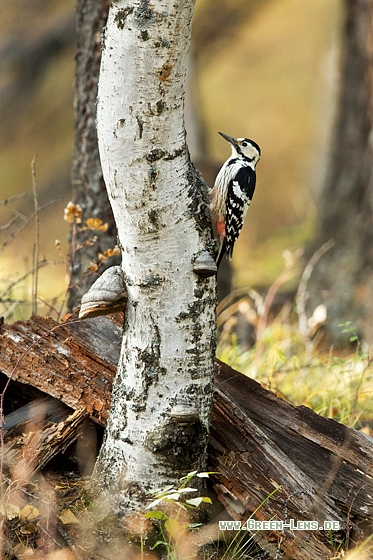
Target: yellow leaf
x=68, y=518
x=29, y=513
x=96, y=224
x=93, y=267
x=112, y=252
x=28, y=529
x=173, y=527
x=12, y=512
x=93, y=223
x=73, y=213
x=365, y=430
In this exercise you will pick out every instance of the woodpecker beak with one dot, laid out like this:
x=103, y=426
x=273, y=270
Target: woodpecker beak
x=229, y=139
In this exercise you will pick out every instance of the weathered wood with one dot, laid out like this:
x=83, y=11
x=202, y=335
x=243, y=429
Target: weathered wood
x=36, y=433
x=321, y=469
x=39, y=412
x=74, y=362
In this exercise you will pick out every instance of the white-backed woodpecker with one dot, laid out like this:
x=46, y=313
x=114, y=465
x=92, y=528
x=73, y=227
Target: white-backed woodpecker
x=233, y=191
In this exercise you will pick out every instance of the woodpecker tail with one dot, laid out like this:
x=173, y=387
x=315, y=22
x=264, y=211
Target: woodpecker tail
x=221, y=236
x=221, y=253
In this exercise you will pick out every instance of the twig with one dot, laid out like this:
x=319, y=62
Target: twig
x=70, y=269
x=9, y=310
x=44, y=262
x=234, y=295
x=10, y=223
x=50, y=305
x=19, y=214
x=7, y=201
x=19, y=487
x=26, y=221
x=302, y=295
x=223, y=309
x=35, y=275
x=268, y=300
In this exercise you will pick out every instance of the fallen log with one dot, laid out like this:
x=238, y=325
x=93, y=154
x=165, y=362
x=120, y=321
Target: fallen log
x=313, y=468
x=322, y=470
x=74, y=362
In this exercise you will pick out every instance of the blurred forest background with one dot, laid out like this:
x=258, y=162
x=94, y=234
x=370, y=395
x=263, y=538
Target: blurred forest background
x=266, y=69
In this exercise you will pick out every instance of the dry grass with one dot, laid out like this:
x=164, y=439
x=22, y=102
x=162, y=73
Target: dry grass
x=334, y=384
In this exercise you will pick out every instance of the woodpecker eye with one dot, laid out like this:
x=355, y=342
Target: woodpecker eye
x=244, y=144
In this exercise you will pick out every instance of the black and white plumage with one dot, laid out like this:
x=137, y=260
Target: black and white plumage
x=233, y=191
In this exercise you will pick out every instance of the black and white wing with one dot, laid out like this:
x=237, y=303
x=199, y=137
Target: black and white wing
x=240, y=193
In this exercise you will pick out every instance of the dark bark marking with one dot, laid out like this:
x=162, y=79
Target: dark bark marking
x=157, y=154
x=140, y=124
x=121, y=16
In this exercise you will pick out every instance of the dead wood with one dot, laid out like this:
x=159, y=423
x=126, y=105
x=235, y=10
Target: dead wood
x=33, y=443
x=74, y=362
x=323, y=470
x=314, y=467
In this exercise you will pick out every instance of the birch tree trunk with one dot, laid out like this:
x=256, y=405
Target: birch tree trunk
x=162, y=395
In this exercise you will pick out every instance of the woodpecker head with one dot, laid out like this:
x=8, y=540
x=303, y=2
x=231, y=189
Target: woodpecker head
x=243, y=148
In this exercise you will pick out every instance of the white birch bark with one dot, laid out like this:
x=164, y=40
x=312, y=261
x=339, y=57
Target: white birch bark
x=163, y=224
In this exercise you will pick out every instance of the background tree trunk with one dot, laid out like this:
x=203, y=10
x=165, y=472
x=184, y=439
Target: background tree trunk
x=343, y=278
x=167, y=356
x=88, y=187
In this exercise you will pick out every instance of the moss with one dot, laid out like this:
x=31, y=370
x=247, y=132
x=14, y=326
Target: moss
x=148, y=361
x=163, y=42
x=128, y=280
x=199, y=344
x=198, y=292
